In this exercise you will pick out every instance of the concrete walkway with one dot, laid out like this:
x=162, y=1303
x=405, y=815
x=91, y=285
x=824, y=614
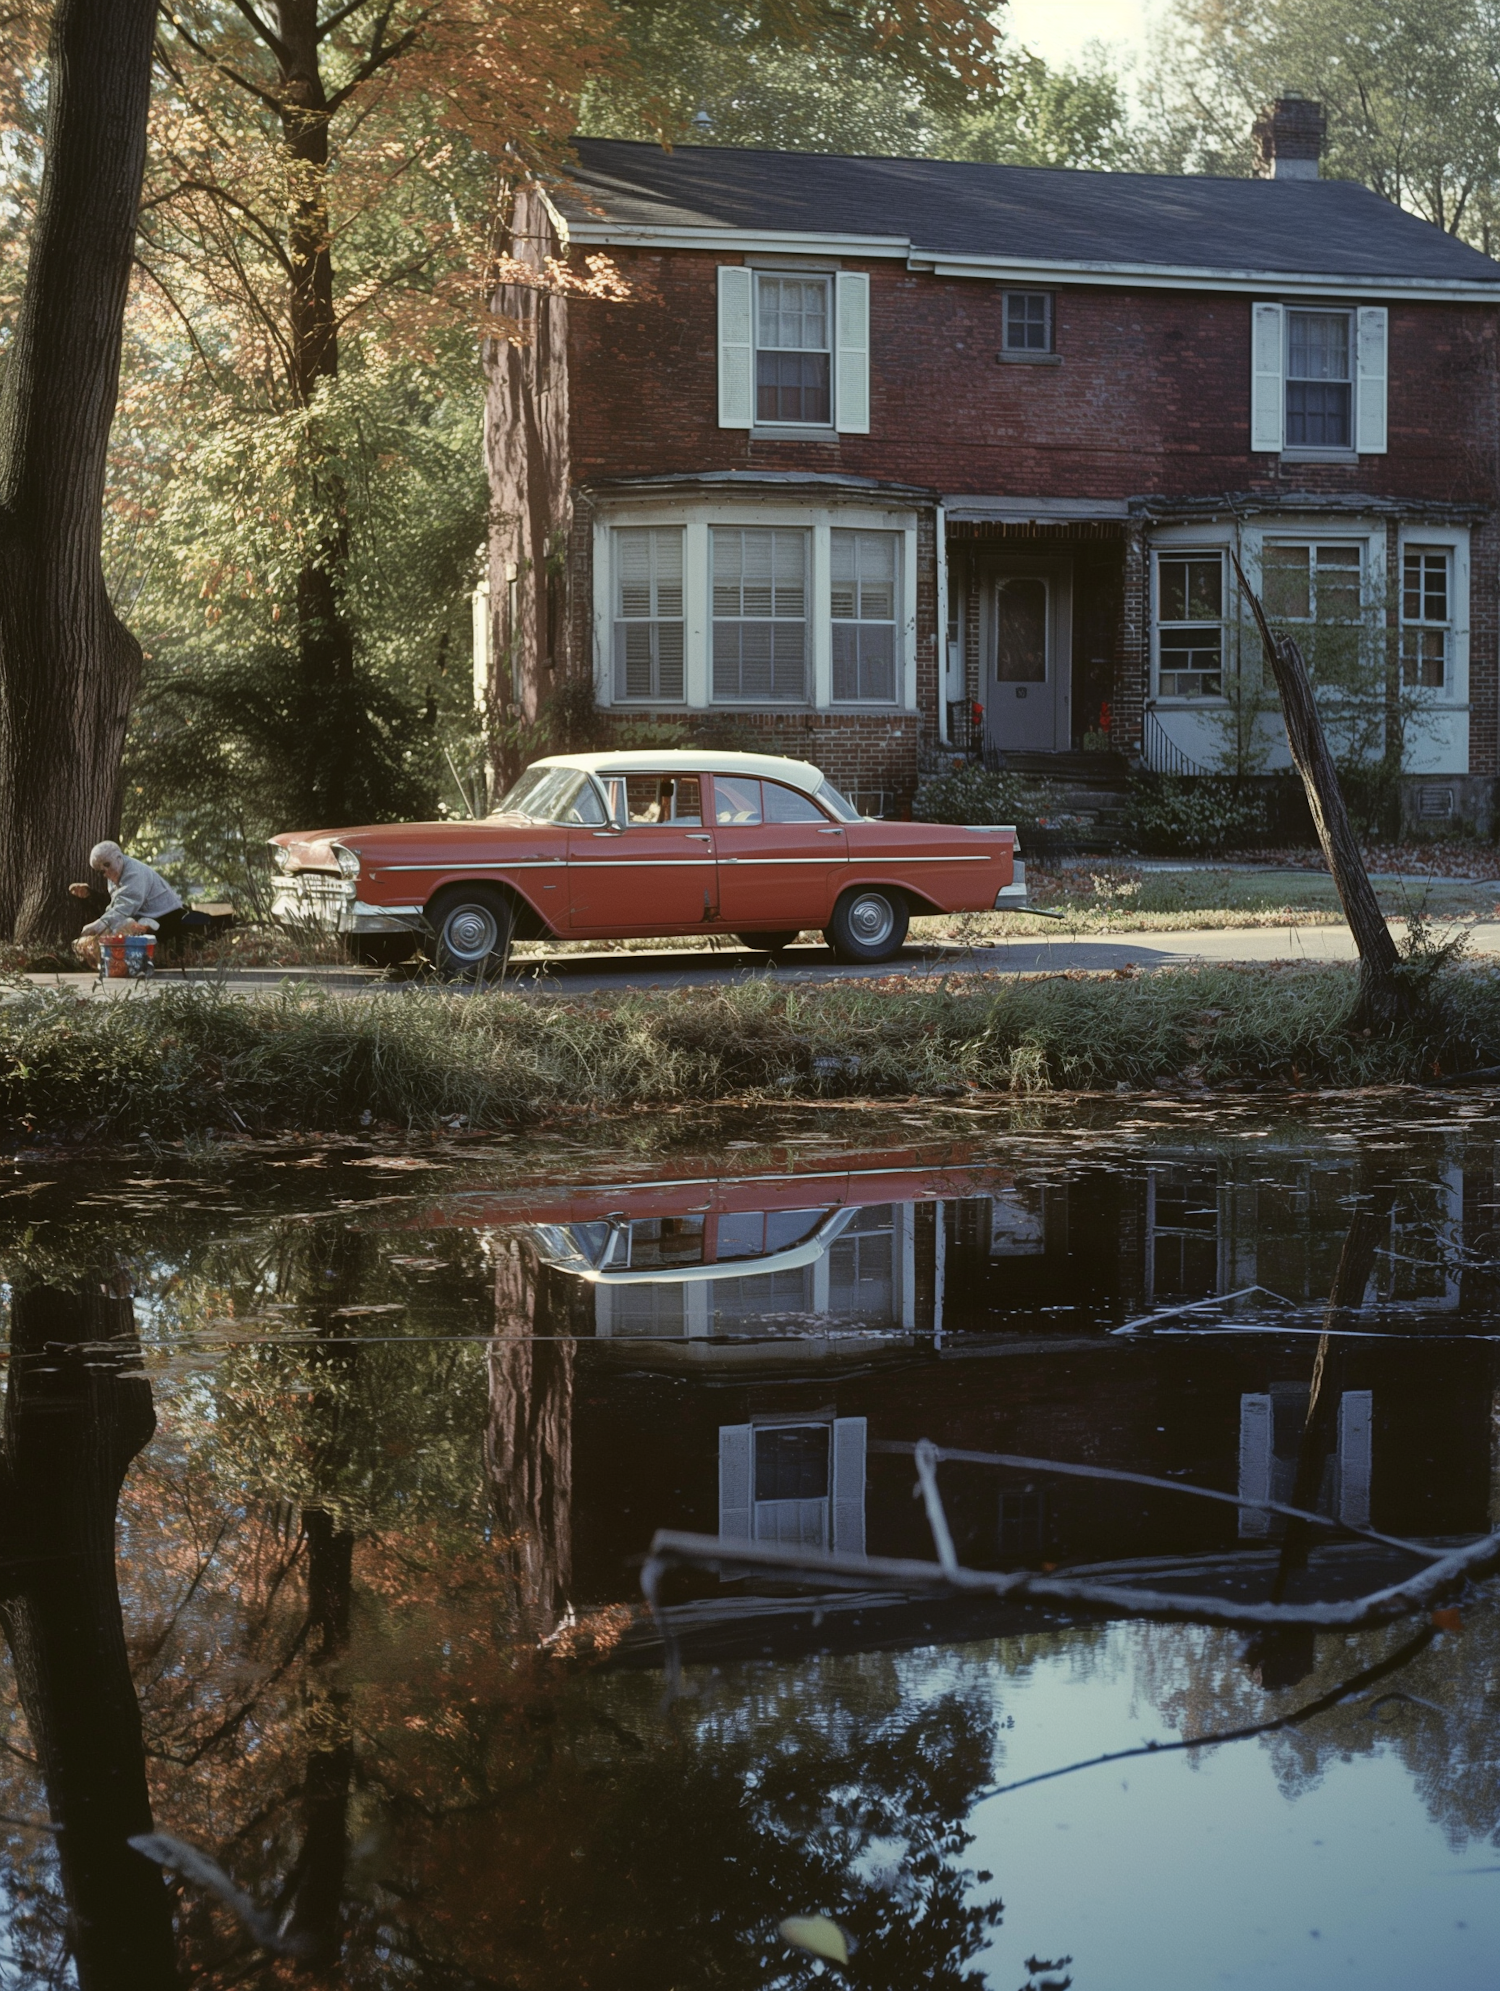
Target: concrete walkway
x=569, y=975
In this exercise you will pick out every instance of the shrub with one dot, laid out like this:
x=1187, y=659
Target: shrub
x=981, y=795
x=1191, y=815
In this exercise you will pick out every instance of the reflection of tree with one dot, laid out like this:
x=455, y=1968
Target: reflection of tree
x=529, y=1441
x=77, y=1411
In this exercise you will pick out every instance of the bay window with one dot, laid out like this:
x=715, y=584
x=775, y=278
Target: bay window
x=1426, y=617
x=1190, y=625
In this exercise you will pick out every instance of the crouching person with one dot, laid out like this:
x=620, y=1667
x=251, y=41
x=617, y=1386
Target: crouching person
x=140, y=901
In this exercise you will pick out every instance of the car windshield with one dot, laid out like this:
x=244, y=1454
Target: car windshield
x=838, y=805
x=553, y=795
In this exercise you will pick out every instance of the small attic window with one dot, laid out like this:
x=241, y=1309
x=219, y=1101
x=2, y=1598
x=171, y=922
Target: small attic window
x=1028, y=321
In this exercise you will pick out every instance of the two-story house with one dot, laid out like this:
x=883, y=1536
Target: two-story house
x=884, y=457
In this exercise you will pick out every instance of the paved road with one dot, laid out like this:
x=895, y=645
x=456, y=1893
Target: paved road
x=592, y=974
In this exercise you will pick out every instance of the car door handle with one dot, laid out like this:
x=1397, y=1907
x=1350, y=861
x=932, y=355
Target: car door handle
x=697, y=836
x=830, y=832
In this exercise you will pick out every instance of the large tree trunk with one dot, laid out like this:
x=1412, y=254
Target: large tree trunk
x=1384, y=1001
x=77, y=1411
x=528, y=1447
x=68, y=667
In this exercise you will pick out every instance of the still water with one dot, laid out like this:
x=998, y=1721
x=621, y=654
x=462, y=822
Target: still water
x=330, y=1469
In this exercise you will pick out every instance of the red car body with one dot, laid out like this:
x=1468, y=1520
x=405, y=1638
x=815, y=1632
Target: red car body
x=642, y=844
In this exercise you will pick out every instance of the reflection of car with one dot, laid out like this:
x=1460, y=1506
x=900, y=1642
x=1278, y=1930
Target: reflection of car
x=594, y=846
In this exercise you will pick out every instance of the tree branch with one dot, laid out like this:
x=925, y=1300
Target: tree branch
x=337, y=19
x=267, y=97
x=377, y=59
x=272, y=40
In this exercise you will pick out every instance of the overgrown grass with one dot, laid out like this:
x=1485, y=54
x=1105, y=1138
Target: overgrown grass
x=188, y=1059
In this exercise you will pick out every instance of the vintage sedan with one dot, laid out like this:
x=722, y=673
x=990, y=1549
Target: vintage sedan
x=622, y=845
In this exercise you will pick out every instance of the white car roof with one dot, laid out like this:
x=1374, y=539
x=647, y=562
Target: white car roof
x=690, y=760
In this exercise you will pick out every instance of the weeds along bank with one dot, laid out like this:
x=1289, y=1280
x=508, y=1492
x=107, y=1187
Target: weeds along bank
x=192, y=1059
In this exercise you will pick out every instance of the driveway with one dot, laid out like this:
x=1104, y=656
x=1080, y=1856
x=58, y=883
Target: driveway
x=569, y=975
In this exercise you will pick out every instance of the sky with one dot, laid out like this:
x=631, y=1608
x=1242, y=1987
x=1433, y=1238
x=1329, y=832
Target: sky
x=1058, y=33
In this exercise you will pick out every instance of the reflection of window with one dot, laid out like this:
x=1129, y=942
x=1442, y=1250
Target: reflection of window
x=1272, y=1426
x=1017, y=1224
x=792, y=360
x=1319, y=386
x=1182, y=1233
x=1021, y=631
x=1028, y=321
x=801, y=1482
x=648, y=1310
x=864, y=616
x=665, y=1241
x=784, y=1299
x=759, y=1233
x=760, y=614
x=1190, y=625
x=862, y=1270
x=648, y=613
x=1425, y=616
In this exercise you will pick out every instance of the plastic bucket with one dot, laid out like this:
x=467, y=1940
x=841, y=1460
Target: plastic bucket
x=112, y=957
x=140, y=950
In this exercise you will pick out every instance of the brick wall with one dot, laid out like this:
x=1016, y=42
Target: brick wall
x=1150, y=394
x=862, y=753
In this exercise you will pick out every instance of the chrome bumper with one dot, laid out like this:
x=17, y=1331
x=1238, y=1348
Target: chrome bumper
x=331, y=905
x=1013, y=894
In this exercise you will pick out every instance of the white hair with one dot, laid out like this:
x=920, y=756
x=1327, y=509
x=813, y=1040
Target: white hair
x=105, y=853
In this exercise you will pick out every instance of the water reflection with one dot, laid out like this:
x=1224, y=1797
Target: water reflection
x=377, y=1647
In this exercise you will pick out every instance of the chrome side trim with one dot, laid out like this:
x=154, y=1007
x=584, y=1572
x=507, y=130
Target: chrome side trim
x=509, y=864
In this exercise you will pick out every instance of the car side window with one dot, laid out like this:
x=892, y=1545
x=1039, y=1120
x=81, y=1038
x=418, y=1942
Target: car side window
x=583, y=807
x=663, y=798
x=736, y=800
x=786, y=805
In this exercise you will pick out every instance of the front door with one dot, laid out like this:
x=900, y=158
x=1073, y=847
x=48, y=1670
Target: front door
x=781, y=862
x=1028, y=678
x=653, y=870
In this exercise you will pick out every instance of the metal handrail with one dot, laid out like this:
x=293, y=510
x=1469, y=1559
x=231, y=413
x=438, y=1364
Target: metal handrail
x=1161, y=752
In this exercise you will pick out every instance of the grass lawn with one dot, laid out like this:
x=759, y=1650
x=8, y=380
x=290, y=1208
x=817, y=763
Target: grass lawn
x=189, y=1059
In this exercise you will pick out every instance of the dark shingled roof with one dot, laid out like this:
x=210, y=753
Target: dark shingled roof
x=947, y=208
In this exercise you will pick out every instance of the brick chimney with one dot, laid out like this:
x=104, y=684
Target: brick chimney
x=1289, y=138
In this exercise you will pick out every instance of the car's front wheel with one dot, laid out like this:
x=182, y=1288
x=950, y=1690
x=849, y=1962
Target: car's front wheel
x=471, y=929
x=767, y=943
x=869, y=924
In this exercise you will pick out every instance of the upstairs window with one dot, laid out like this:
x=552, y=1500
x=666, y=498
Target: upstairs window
x=648, y=627
x=1190, y=625
x=760, y=615
x=793, y=356
x=863, y=603
x=1319, y=380
x=1426, y=617
x=1028, y=321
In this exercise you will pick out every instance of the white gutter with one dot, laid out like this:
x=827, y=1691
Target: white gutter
x=941, y=638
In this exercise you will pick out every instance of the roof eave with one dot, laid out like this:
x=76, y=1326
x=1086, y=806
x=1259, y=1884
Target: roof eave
x=1025, y=269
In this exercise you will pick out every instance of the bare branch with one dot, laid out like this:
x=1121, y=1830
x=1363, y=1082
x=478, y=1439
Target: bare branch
x=377, y=59
x=272, y=40
x=338, y=17
x=267, y=97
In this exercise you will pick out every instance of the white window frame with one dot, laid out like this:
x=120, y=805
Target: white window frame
x=738, y=338
x=1190, y=550
x=1369, y=383
x=1315, y=452
x=697, y=520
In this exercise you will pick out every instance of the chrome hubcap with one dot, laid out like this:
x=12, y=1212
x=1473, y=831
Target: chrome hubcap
x=871, y=920
x=470, y=933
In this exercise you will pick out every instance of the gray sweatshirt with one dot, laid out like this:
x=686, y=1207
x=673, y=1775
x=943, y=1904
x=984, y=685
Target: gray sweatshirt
x=141, y=894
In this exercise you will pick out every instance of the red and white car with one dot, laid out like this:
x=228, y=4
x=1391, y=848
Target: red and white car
x=623, y=845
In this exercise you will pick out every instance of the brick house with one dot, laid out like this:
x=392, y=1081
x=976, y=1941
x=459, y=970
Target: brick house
x=888, y=459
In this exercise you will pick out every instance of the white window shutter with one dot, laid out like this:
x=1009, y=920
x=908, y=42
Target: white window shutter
x=849, y=1485
x=1370, y=387
x=736, y=348
x=1356, y=1415
x=851, y=407
x=736, y=1467
x=1255, y=1464
x=1267, y=365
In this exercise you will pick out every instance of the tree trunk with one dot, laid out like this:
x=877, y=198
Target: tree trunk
x=1384, y=1002
x=325, y=639
x=528, y=1448
x=68, y=667
x=77, y=1411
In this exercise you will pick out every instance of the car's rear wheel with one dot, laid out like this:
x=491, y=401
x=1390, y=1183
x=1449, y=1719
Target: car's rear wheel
x=471, y=930
x=767, y=943
x=869, y=924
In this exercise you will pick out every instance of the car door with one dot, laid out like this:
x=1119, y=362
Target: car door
x=653, y=869
x=781, y=861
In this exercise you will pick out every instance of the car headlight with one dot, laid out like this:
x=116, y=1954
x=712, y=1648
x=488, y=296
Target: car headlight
x=348, y=860
x=281, y=857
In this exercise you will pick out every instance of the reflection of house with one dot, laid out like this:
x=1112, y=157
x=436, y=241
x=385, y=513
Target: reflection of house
x=743, y=1346
x=887, y=458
